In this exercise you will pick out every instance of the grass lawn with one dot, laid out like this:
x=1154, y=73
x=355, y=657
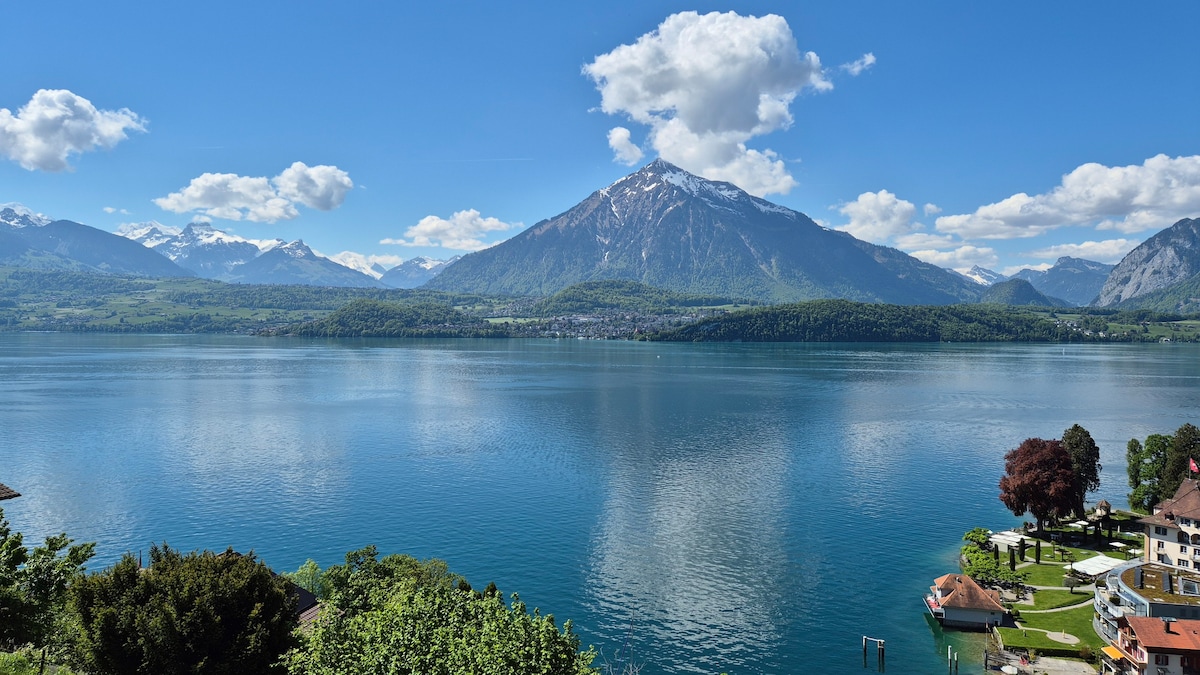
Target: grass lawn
x=1053, y=599
x=1046, y=574
x=1077, y=622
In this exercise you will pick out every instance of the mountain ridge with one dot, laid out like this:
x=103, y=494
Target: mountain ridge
x=666, y=228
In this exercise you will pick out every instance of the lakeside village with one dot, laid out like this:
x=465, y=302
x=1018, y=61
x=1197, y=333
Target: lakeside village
x=1085, y=590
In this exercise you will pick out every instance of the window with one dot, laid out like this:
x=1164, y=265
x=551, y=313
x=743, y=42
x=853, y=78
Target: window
x=1164, y=559
x=1183, y=549
x=1158, y=529
x=1161, y=545
x=1162, y=660
x=1185, y=521
x=1185, y=661
x=1183, y=563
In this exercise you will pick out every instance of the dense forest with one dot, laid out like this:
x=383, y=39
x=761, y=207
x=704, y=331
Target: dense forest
x=372, y=318
x=846, y=321
x=89, y=302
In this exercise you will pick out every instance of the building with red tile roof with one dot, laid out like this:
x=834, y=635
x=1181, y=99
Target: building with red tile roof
x=1154, y=646
x=958, y=601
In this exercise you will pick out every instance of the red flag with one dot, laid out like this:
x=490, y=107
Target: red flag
x=1192, y=465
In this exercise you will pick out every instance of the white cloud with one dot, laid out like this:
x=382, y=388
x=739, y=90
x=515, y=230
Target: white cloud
x=624, y=150
x=460, y=232
x=113, y=209
x=856, y=68
x=56, y=123
x=879, y=216
x=1128, y=199
x=1108, y=251
x=923, y=240
x=318, y=187
x=962, y=258
x=259, y=199
x=707, y=84
x=1013, y=269
x=932, y=209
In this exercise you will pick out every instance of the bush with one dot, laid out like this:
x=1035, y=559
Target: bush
x=196, y=614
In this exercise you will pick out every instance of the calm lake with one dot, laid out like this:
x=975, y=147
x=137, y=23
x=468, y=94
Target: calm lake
x=701, y=508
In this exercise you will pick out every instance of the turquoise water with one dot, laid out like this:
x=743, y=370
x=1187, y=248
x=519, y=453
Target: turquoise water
x=698, y=508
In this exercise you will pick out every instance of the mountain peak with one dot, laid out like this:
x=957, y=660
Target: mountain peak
x=17, y=215
x=661, y=175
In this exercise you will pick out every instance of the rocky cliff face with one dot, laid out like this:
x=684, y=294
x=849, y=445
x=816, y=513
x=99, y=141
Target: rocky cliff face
x=1167, y=258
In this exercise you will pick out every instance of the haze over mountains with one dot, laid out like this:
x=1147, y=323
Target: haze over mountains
x=660, y=226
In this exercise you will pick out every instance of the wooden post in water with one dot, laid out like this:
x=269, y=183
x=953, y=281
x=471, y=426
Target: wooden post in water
x=879, y=656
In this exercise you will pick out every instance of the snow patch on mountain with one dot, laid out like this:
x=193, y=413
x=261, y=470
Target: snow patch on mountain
x=17, y=215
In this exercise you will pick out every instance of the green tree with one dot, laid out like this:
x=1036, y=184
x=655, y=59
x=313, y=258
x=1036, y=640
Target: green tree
x=33, y=588
x=1038, y=479
x=198, y=613
x=1185, y=445
x=1145, y=465
x=401, y=615
x=1085, y=464
x=311, y=578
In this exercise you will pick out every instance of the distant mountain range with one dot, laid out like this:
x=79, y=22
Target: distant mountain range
x=667, y=228
x=1075, y=280
x=32, y=240
x=415, y=272
x=659, y=226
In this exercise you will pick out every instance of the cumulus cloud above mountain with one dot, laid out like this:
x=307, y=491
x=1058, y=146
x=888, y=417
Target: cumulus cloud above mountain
x=1128, y=199
x=260, y=199
x=57, y=123
x=705, y=85
x=462, y=231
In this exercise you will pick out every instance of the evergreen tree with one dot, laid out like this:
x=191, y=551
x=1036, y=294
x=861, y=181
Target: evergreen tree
x=195, y=614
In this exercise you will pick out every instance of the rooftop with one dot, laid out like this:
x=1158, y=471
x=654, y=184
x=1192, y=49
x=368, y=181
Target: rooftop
x=1156, y=635
x=7, y=492
x=1152, y=589
x=1185, y=504
x=960, y=591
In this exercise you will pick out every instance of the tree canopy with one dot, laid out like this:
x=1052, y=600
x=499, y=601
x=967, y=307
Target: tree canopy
x=198, y=613
x=1038, y=479
x=1085, y=464
x=400, y=615
x=1185, y=446
x=33, y=587
x=1145, y=466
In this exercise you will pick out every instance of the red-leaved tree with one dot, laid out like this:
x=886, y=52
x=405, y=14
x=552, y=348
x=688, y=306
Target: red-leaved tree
x=1038, y=479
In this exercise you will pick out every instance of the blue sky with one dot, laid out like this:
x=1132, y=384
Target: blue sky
x=1001, y=134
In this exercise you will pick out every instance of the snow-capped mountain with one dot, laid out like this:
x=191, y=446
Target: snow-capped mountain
x=415, y=272
x=358, y=262
x=983, y=276
x=32, y=240
x=668, y=228
x=16, y=215
x=199, y=247
x=296, y=263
